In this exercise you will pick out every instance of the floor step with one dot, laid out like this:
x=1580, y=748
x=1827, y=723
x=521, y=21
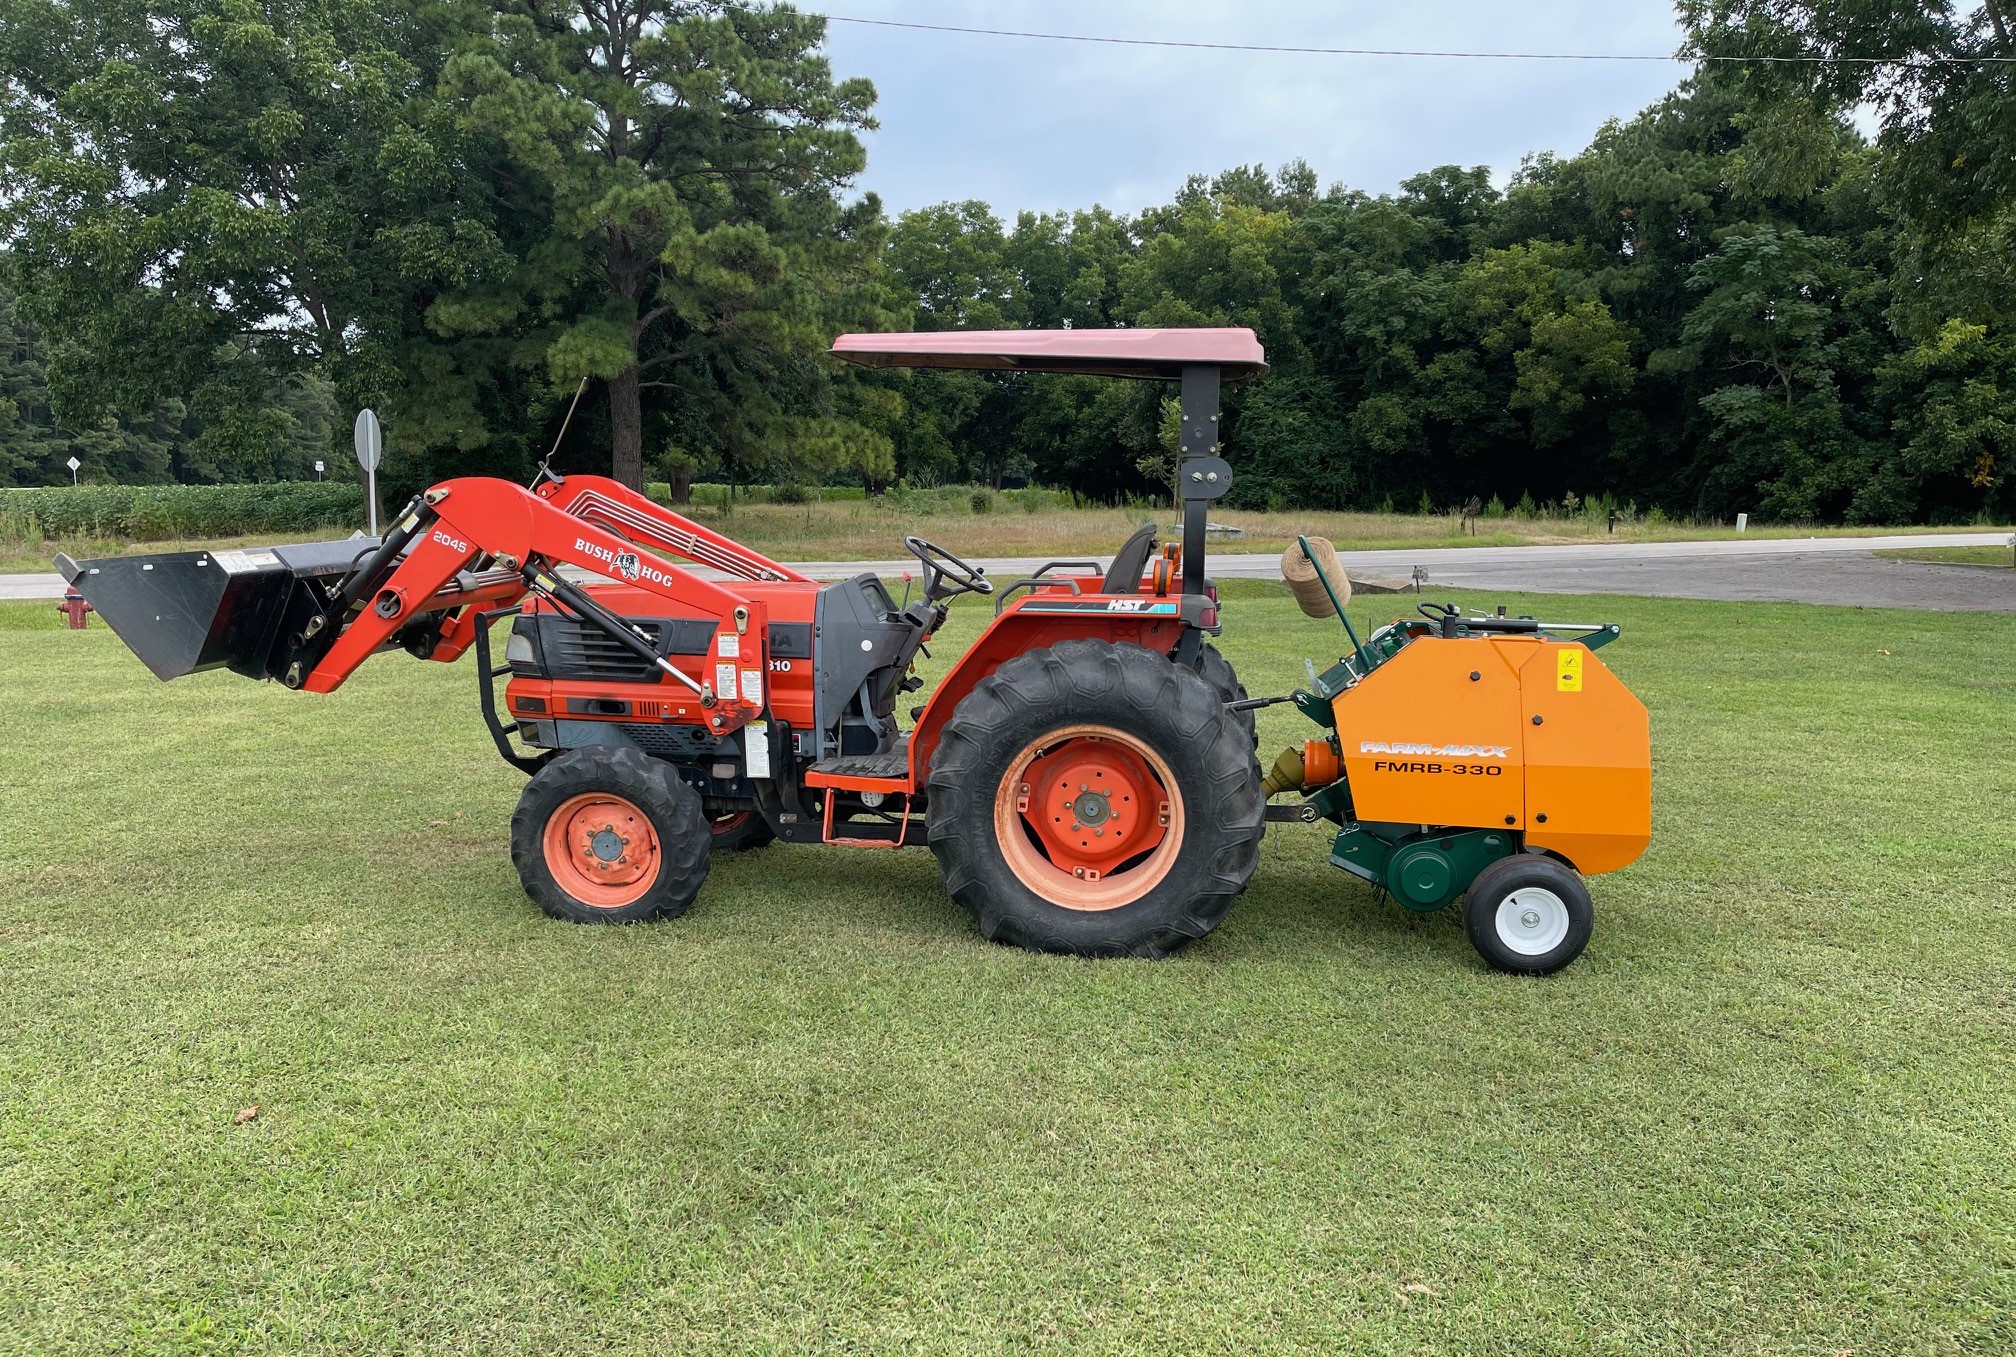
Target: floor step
x=850, y=770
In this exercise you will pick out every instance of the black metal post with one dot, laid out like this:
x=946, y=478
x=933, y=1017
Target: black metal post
x=1202, y=475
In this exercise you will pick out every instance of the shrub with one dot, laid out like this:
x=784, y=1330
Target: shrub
x=1495, y=509
x=983, y=501
x=1527, y=508
x=157, y=512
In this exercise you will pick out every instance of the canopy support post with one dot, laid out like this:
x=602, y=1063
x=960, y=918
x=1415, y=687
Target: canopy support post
x=1202, y=475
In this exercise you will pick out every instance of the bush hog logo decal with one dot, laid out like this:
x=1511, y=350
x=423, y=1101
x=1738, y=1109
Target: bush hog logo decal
x=625, y=563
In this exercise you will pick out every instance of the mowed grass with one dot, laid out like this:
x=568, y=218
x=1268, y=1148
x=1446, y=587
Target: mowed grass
x=1771, y=1110
x=1999, y=553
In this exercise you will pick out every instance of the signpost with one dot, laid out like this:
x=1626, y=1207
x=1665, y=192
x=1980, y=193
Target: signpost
x=370, y=440
x=318, y=468
x=74, y=464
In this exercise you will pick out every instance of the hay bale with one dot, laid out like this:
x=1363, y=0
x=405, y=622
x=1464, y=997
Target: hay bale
x=1300, y=577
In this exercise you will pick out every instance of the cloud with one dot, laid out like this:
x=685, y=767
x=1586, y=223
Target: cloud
x=1029, y=124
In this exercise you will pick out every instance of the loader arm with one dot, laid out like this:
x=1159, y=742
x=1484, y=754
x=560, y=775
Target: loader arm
x=461, y=523
x=610, y=504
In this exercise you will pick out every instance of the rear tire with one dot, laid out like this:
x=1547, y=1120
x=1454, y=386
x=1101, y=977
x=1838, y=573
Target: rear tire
x=1528, y=914
x=1060, y=745
x=608, y=834
x=1217, y=671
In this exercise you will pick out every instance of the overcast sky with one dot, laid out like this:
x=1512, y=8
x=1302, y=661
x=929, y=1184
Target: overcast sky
x=1022, y=123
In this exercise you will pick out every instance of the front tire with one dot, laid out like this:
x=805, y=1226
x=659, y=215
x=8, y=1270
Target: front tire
x=608, y=834
x=1094, y=799
x=1528, y=914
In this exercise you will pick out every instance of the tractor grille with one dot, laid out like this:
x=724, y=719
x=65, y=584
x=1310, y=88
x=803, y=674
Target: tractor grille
x=577, y=650
x=672, y=741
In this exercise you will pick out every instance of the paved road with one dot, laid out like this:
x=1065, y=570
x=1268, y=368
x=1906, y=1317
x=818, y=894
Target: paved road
x=1800, y=570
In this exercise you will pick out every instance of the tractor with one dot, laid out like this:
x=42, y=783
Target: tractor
x=1085, y=774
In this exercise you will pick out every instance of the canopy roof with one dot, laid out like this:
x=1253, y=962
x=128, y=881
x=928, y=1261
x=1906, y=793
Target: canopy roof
x=1235, y=352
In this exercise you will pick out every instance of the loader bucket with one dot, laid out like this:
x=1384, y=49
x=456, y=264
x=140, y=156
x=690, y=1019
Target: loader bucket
x=186, y=611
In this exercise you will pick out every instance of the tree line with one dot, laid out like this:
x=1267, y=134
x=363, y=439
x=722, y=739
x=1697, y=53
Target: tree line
x=229, y=223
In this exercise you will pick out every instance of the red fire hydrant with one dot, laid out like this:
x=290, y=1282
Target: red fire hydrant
x=74, y=606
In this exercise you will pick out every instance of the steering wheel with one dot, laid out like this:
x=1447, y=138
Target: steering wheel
x=942, y=568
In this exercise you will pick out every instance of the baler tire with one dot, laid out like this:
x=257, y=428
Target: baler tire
x=740, y=831
x=1217, y=671
x=1560, y=912
x=674, y=826
x=1143, y=708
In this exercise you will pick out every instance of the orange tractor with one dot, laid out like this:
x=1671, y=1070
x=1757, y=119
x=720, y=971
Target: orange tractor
x=1085, y=772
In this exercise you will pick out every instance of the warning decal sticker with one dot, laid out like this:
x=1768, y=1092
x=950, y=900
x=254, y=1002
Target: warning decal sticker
x=1568, y=671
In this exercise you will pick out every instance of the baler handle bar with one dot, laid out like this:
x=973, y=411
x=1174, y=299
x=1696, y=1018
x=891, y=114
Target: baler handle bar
x=1364, y=661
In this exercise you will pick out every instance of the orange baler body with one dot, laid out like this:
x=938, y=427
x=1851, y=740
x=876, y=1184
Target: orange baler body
x=1503, y=732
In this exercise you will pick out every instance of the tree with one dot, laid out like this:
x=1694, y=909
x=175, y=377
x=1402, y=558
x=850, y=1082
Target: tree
x=688, y=241
x=1948, y=120
x=1567, y=350
x=1954, y=398
x=203, y=200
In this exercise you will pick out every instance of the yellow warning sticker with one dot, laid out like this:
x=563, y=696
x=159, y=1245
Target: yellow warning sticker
x=1568, y=671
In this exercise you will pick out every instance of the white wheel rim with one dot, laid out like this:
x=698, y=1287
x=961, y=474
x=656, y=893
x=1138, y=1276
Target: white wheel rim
x=1532, y=921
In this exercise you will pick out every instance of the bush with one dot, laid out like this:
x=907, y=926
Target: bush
x=1495, y=509
x=158, y=512
x=789, y=493
x=983, y=501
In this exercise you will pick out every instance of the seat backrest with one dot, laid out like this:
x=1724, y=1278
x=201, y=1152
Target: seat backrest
x=1124, y=575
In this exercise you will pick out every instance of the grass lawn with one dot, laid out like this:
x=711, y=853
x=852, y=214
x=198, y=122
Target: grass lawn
x=865, y=530
x=1772, y=1109
x=1998, y=554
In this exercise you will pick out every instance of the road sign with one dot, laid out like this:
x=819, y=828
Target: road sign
x=74, y=464
x=370, y=440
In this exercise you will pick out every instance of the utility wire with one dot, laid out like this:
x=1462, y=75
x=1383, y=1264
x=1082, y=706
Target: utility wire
x=1407, y=52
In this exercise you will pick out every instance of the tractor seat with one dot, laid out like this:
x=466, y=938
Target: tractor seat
x=1129, y=563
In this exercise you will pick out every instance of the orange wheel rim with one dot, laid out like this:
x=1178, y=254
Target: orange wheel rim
x=1089, y=817
x=602, y=850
